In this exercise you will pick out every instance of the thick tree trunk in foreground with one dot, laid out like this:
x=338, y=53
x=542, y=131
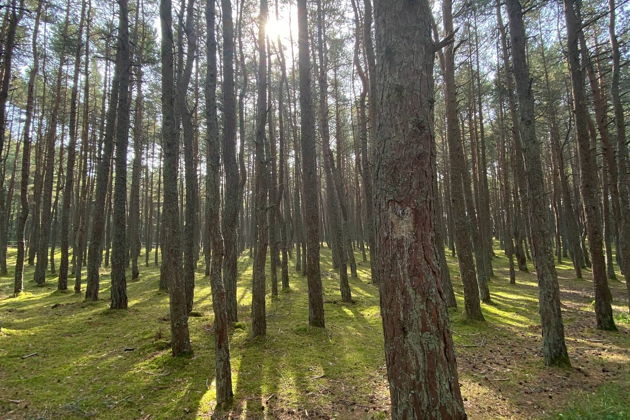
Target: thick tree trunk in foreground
x=554, y=347
x=589, y=187
x=419, y=351
x=309, y=174
x=171, y=269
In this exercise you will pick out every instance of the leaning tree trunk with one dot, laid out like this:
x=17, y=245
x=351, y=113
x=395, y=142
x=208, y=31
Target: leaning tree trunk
x=46, y=191
x=588, y=179
x=463, y=244
x=26, y=159
x=334, y=210
x=69, y=185
x=554, y=347
x=100, y=193
x=419, y=351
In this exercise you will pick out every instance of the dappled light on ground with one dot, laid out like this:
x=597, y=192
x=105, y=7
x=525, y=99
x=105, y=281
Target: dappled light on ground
x=61, y=357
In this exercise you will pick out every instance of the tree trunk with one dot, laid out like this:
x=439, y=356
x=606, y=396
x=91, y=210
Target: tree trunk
x=18, y=285
x=223, y=370
x=622, y=152
x=171, y=269
x=463, y=243
x=589, y=187
x=119, y=213
x=259, y=321
x=332, y=199
x=102, y=181
x=232, y=188
x=191, y=230
x=554, y=347
x=309, y=174
x=421, y=366
x=69, y=185
x=51, y=134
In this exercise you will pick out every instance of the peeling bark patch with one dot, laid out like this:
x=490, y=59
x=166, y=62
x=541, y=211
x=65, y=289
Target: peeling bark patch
x=401, y=221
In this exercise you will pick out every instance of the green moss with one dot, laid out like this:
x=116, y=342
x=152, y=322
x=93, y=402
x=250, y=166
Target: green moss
x=609, y=402
x=95, y=362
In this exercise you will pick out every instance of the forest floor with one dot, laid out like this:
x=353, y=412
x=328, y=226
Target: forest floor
x=63, y=358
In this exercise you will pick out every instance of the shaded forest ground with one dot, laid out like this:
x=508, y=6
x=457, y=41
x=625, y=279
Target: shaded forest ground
x=61, y=357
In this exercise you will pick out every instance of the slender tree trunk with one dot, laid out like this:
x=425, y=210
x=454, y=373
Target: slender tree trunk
x=51, y=134
x=232, y=187
x=119, y=213
x=309, y=174
x=223, y=370
x=366, y=156
x=18, y=285
x=554, y=347
x=136, y=169
x=69, y=185
x=332, y=198
x=14, y=16
x=171, y=269
x=589, y=187
x=259, y=321
x=100, y=193
x=191, y=230
x=463, y=243
x=622, y=152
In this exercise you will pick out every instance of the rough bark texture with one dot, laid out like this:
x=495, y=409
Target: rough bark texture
x=223, y=370
x=589, y=187
x=232, y=189
x=419, y=352
x=171, y=269
x=119, y=214
x=554, y=347
x=309, y=174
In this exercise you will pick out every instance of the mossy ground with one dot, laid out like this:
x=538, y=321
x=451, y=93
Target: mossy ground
x=61, y=357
